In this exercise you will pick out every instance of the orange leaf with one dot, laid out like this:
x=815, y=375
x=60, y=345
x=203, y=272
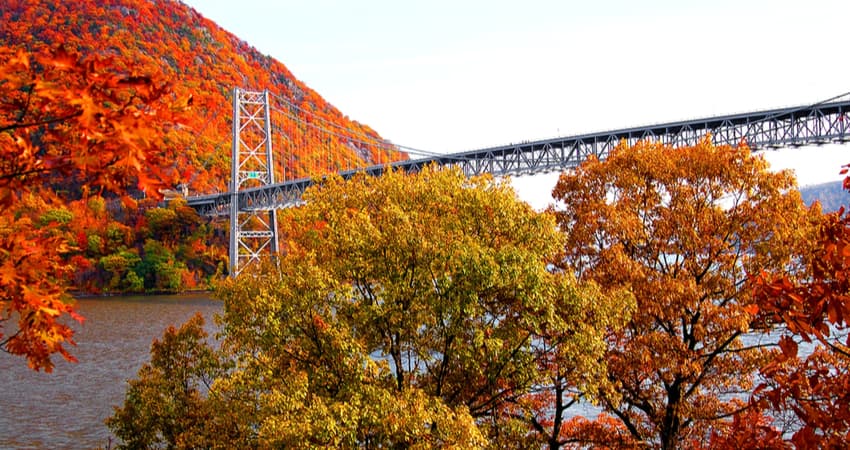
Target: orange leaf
x=752, y=309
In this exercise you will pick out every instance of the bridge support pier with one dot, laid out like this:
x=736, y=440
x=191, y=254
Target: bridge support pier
x=253, y=232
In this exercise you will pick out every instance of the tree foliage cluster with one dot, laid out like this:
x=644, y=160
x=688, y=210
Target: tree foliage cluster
x=669, y=288
x=160, y=249
x=405, y=312
x=812, y=386
x=684, y=230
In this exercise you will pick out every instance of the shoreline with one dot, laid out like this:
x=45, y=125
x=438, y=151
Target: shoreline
x=77, y=295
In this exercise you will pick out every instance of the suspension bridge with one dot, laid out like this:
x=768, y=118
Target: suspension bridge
x=264, y=179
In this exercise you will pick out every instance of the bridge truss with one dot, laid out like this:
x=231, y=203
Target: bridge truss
x=253, y=232
x=817, y=124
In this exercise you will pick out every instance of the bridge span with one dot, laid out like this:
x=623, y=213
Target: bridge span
x=797, y=126
x=255, y=196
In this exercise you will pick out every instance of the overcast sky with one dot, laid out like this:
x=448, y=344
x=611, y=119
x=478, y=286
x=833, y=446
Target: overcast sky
x=453, y=75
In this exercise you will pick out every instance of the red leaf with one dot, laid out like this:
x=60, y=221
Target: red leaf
x=788, y=346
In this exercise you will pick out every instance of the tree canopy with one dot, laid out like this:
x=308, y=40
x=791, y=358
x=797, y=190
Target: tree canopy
x=407, y=311
x=670, y=287
x=686, y=230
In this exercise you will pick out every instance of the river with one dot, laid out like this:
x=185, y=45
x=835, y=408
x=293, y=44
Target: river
x=66, y=408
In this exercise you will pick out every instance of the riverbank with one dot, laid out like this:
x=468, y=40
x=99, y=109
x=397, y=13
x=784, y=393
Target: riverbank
x=80, y=295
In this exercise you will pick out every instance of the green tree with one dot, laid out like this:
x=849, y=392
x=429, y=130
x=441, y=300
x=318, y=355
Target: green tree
x=117, y=236
x=95, y=244
x=120, y=267
x=159, y=269
x=161, y=223
x=59, y=216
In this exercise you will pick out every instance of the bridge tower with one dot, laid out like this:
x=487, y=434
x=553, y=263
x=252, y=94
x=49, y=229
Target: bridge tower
x=253, y=232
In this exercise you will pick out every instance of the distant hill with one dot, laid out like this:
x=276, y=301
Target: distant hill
x=198, y=56
x=831, y=196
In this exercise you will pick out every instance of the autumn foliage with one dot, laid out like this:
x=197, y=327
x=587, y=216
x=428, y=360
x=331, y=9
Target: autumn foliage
x=407, y=311
x=689, y=296
x=73, y=122
x=813, y=387
x=684, y=230
x=104, y=106
x=204, y=62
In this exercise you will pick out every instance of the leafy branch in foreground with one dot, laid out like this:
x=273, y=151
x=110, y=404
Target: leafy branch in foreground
x=76, y=120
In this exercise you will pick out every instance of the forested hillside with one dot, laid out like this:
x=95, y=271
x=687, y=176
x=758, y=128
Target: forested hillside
x=831, y=196
x=121, y=242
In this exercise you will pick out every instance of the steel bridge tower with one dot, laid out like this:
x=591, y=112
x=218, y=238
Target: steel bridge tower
x=253, y=232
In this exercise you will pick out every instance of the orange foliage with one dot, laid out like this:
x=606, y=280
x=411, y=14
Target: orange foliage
x=815, y=307
x=205, y=62
x=64, y=121
x=682, y=229
x=748, y=430
x=603, y=432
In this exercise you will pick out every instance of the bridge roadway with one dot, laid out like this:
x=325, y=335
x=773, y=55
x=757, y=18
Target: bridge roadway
x=796, y=126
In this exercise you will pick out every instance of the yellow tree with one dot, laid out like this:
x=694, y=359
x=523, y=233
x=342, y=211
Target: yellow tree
x=442, y=282
x=407, y=311
x=685, y=230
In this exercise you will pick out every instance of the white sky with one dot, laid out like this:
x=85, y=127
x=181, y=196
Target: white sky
x=454, y=75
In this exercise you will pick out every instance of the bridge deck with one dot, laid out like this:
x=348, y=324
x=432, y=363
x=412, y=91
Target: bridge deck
x=795, y=126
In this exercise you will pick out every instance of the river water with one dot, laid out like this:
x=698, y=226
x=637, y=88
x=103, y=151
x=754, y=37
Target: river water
x=66, y=408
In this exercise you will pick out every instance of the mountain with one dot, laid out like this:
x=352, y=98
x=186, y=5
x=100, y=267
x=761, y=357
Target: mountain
x=200, y=59
x=831, y=196
x=113, y=242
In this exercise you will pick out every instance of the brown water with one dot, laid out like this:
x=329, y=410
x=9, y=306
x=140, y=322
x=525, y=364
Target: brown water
x=66, y=408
